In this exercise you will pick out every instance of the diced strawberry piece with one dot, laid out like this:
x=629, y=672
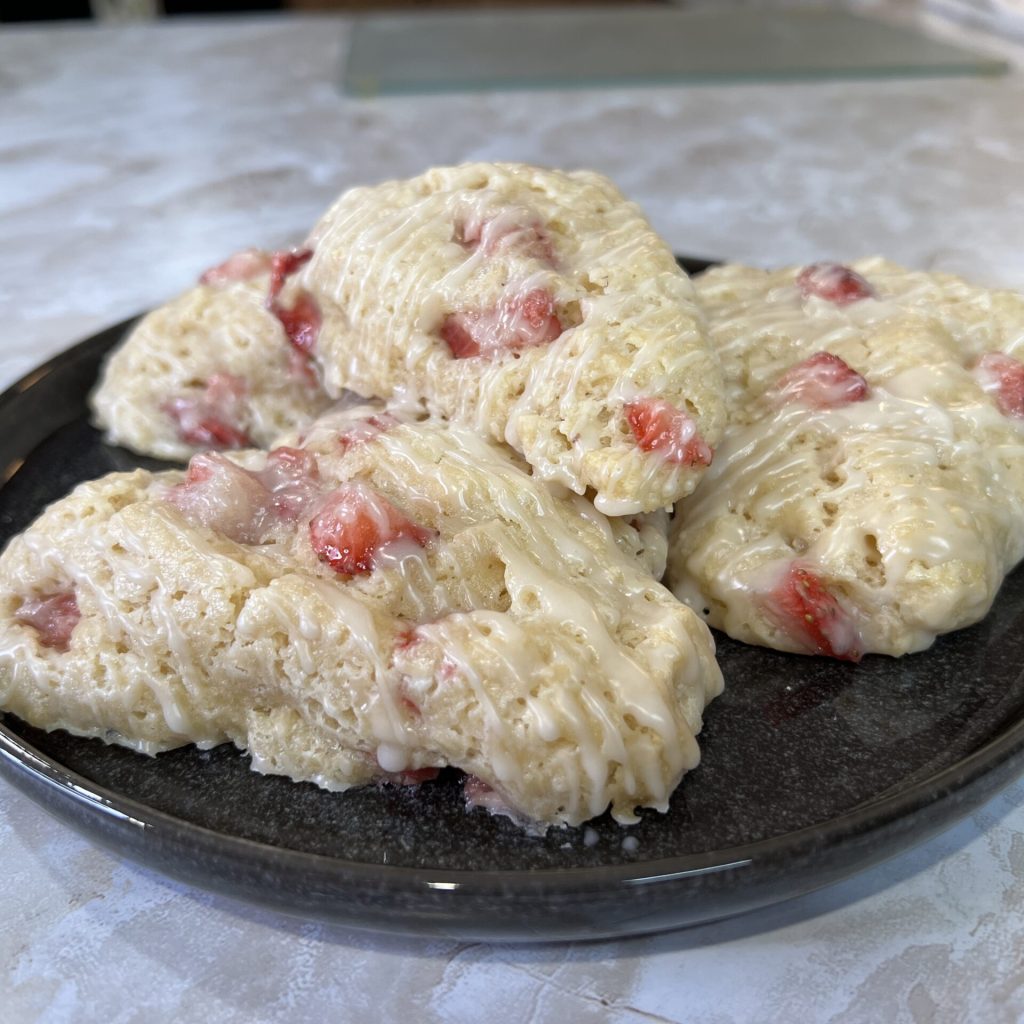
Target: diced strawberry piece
x=201, y=470
x=518, y=321
x=531, y=318
x=659, y=426
x=54, y=618
x=247, y=506
x=355, y=526
x=1002, y=376
x=242, y=266
x=474, y=788
x=291, y=478
x=213, y=418
x=286, y=465
x=222, y=496
x=801, y=605
x=414, y=776
x=478, y=793
x=301, y=321
x=211, y=432
x=226, y=392
x=283, y=265
x=833, y=282
x=361, y=431
x=511, y=230
x=406, y=639
x=457, y=333
x=822, y=381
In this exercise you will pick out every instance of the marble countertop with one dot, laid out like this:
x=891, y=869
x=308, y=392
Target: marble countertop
x=131, y=157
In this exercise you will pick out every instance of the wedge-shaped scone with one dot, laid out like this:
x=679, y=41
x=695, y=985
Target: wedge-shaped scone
x=533, y=306
x=869, y=492
x=644, y=536
x=387, y=600
x=221, y=366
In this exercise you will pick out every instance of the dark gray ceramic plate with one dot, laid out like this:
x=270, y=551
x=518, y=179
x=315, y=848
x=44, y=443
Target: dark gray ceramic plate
x=812, y=770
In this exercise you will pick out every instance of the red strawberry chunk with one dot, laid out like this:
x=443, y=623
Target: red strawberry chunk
x=213, y=418
x=54, y=618
x=246, y=506
x=406, y=638
x=291, y=479
x=283, y=265
x=355, y=527
x=457, y=332
x=242, y=266
x=223, y=497
x=659, y=426
x=512, y=230
x=1002, y=376
x=216, y=433
x=822, y=381
x=412, y=776
x=801, y=605
x=833, y=282
x=361, y=431
x=301, y=321
x=520, y=320
x=478, y=793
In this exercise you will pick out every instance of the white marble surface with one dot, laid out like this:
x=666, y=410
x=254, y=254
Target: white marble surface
x=130, y=158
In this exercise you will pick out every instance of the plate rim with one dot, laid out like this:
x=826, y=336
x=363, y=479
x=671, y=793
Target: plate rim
x=867, y=816
x=23, y=763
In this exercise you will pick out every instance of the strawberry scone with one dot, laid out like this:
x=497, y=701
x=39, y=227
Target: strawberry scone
x=644, y=536
x=386, y=600
x=225, y=365
x=536, y=307
x=868, y=494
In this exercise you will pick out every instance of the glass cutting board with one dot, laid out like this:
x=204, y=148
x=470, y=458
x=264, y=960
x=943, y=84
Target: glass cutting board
x=447, y=51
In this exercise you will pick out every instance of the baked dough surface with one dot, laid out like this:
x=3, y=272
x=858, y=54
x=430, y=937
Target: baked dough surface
x=880, y=499
x=389, y=599
x=536, y=307
x=156, y=396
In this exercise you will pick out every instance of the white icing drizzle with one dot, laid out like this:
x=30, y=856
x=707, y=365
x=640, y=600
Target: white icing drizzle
x=593, y=671
x=534, y=580
x=901, y=499
x=390, y=260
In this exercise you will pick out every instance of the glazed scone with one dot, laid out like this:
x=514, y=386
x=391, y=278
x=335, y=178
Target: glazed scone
x=643, y=536
x=219, y=367
x=868, y=494
x=533, y=306
x=387, y=600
